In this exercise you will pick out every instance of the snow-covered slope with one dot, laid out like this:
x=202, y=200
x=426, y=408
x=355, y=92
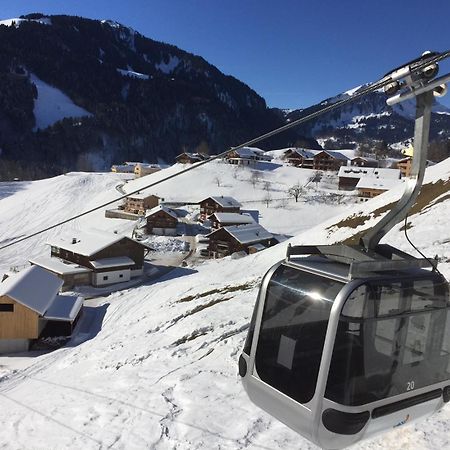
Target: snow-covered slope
x=53, y=105
x=160, y=369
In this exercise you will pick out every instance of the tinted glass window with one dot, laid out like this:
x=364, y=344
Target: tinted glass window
x=293, y=329
x=392, y=337
x=6, y=307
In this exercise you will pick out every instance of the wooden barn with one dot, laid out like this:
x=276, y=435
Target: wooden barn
x=161, y=221
x=329, y=160
x=212, y=205
x=219, y=220
x=31, y=307
x=248, y=238
x=109, y=258
x=190, y=158
x=247, y=156
x=299, y=157
x=140, y=202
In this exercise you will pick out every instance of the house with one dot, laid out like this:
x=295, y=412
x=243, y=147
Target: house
x=127, y=167
x=363, y=161
x=247, y=156
x=329, y=160
x=31, y=307
x=162, y=221
x=300, y=157
x=405, y=166
x=350, y=175
x=190, y=158
x=369, y=187
x=248, y=238
x=142, y=169
x=219, y=220
x=138, y=203
x=212, y=205
x=95, y=257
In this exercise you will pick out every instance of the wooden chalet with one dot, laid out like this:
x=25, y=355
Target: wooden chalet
x=140, y=202
x=247, y=156
x=161, y=221
x=141, y=169
x=362, y=161
x=30, y=307
x=405, y=165
x=329, y=160
x=219, y=220
x=96, y=258
x=299, y=157
x=122, y=168
x=349, y=176
x=190, y=158
x=248, y=238
x=369, y=187
x=212, y=205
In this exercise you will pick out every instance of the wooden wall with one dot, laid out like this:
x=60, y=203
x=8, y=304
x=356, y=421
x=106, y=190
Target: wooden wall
x=23, y=323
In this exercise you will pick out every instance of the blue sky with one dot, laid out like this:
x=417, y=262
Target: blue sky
x=293, y=53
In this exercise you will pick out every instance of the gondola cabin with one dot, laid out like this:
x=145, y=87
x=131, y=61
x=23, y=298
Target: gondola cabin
x=341, y=356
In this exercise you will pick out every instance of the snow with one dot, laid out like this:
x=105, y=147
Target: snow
x=233, y=218
x=155, y=366
x=16, y=22
x=53, y=105
x=170, y=66
x=133, y=74
x=58, y=265
x=117, y=261
x=64, y=307
x=246, y=234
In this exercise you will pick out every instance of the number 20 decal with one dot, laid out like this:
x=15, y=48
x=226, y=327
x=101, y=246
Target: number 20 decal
x=410, y=385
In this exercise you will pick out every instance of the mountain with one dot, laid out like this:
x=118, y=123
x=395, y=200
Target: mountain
x=155, y=366
x=81, y=94
x=370, y=119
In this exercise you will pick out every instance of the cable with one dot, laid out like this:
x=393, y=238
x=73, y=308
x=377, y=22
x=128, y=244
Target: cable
x=433, y=266
x=367, y=90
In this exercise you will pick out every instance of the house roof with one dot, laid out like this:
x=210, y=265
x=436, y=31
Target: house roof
x=123, y=167
x=107, y=263
x=58, y=265
x=158, y=208
x=246, y=234
x=34, y=287
x=374, y=172
x=249, y=152
x=225, y=202
x=232, y=218
x=377, y=183
x=301, y=152
x=335, y=154
x=64, y=307
x=142, y=195
x=197, y=156
x=86, y=243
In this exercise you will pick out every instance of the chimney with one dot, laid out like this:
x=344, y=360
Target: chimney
x=74, y=240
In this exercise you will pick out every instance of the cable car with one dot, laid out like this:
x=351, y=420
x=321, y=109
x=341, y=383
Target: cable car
x=348, y=341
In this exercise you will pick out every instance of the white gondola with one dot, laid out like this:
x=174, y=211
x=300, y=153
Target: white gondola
x=346, y=342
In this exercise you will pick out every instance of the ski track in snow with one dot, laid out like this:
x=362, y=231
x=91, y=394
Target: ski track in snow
x=162, y=371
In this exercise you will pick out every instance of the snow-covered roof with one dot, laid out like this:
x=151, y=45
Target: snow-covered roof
x=258, y=247
x=158, y=208
x=232, y=218
x=34, y=287
x=64, y=307
x=118, y=261
x=225, y=202
x=377, y=183
x=301, y=152
x=197, y=156
x=246, y=234
x=252, y=152
x=375, y=172
x=141, y=195
x=58, y=265
x=336, y=154
x=123, y=167
x=86, y=243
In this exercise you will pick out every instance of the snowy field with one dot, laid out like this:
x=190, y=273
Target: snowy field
x=157, y=367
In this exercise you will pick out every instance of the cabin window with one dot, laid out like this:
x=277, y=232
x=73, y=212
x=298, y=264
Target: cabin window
x=105, y=277
x=121, y=275
x=293, y=330
x=6, y=307
x=392, y=337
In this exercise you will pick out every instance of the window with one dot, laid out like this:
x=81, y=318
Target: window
x=6, y=307
x=121, y=275
x=105, y=277
x=392, y=337
x=293, y=329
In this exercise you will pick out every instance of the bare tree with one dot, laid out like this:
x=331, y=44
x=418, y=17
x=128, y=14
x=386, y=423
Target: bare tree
x=217, y=180
x=254, y=178
x=296, y=191
x=266, y=186
x=267, y=199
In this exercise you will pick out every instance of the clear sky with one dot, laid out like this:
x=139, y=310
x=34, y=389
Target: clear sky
x=292, y=52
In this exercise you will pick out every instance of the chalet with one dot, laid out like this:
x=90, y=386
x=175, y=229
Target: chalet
x=300, y=157
x=362, y=161
x=31, y=307
x=190, y=158
x=142, y=169
x=122, y=168
x=219, y=220
x=248, y=238
x=162, y=221
x=247, y=156
x=329, y=160
x=140, y=202
x=405, y=166
x=350, y=175
x=369, y=187
x=95, y=258
x=212, y=205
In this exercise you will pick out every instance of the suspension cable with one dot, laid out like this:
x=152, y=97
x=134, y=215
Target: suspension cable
x=360, y=93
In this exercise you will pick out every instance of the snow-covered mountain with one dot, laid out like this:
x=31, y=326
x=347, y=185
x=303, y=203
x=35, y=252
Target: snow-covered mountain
x=156, y=366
